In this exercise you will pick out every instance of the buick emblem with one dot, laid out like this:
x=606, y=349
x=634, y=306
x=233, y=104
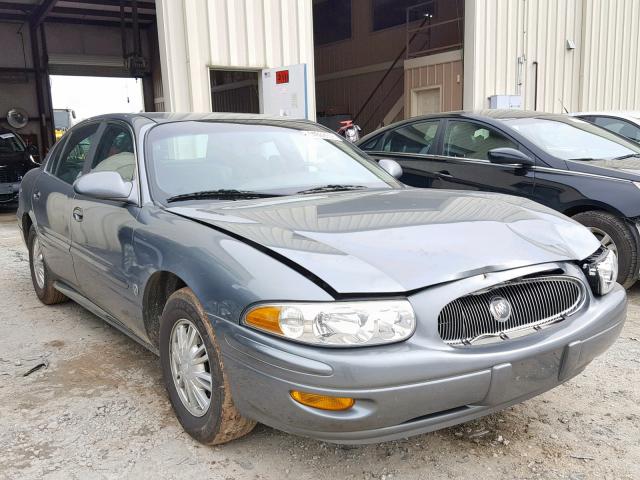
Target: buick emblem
x=500, y=309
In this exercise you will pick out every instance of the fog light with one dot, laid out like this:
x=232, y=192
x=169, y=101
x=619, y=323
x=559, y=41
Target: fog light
x=322, y=402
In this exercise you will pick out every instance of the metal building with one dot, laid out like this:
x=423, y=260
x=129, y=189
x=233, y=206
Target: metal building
x=373, y=60
x=576, y=54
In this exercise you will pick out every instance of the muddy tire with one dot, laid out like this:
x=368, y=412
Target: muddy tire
x=615, y=232
x=194, y=374
x=40, y=274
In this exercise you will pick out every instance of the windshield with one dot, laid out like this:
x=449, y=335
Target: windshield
x=188, y=157
x=10, y=143
x=61, y=119
x=570, y=138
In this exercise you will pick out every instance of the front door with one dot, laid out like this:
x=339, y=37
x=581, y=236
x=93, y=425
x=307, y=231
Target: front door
x=464, y=164
x=102, y=233
x=52, y=200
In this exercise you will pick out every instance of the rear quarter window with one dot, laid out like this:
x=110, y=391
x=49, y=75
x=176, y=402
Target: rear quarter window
x=371, y=144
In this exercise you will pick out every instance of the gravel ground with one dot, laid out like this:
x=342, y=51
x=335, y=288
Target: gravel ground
x=99, y=410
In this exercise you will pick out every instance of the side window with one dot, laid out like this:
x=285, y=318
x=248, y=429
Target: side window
x=70, y=163
x=371, y=144
x=619, y=126
x=413, y=138
x=52, y=158
x=472, y=140
x=115, y=152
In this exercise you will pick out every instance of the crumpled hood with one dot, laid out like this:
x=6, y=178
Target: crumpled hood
x=394, y=241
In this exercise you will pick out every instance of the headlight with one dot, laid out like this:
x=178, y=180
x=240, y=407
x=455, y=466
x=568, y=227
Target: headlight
x=345, y=324
x=601, y=270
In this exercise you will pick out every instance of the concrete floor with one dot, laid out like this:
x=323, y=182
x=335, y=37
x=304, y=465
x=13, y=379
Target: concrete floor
x=99, y=410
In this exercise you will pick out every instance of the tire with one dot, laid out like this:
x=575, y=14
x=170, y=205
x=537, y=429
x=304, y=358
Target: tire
x=623, y=239
x=220, y=421
x=40, y=274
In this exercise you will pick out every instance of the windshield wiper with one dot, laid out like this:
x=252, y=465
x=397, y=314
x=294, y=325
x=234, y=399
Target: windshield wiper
x=223, y=194
x=331, y=188
x=630, y=155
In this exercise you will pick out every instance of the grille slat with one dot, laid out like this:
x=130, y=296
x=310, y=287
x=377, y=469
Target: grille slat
x=534, y=302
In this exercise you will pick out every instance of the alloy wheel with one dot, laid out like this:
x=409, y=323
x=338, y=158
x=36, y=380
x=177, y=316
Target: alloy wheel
x=605, y=239
x=38, y=263
x=190, y=367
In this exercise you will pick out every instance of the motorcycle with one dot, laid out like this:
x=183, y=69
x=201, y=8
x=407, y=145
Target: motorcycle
x=350, y=131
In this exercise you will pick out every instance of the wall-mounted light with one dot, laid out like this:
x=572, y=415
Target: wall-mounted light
x=571, y=45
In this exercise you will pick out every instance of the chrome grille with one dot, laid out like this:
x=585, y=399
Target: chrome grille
x=8, y=176
x=534, y=302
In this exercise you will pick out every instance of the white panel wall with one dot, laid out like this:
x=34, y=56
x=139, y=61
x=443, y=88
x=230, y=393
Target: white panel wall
x=602, y=72
x=195, y=35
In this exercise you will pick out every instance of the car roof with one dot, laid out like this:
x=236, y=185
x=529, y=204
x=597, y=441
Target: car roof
x=492, y=116
x=166, y=117
x=145, y=118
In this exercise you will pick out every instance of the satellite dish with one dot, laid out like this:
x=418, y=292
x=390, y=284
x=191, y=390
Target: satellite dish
x=17, y=118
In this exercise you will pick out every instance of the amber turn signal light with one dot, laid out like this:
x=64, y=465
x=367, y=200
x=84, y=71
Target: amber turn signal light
x=322, y=402
x=265, y=318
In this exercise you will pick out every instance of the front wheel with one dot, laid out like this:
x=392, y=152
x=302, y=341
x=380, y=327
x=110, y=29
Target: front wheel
x=194, y=375
x=617, y=235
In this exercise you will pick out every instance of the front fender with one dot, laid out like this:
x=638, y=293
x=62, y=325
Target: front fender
x=225, y=273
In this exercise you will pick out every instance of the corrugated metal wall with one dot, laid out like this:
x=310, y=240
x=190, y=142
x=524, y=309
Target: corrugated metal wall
x=512, y=46
x=242, y=34
x=611, y=65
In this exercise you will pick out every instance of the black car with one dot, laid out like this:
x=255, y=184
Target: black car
x=16, y=159
x=566, y=163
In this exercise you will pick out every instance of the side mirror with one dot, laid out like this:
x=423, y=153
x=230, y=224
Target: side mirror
x=392, y=167
x=32, y=150
x=509, y=156
x=104, y=186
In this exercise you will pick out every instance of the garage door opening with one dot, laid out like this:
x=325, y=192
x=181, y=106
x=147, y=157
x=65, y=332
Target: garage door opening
x=235, y=91
x=89, y=96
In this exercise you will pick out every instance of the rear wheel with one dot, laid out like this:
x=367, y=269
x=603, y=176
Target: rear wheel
x=194, y=375
x=617, y=235
x=40, y=274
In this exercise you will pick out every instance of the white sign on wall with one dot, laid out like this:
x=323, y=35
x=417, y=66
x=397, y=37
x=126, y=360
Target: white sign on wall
x=283, y=91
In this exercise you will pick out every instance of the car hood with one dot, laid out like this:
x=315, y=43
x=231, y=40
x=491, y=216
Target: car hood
x=394, y=241
x=626, y=168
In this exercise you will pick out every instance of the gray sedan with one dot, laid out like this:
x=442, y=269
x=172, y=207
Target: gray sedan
x=285, y=278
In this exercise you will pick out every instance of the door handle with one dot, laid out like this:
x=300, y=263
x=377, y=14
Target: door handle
x=444, y=173
x=77, y=214
x=36, y=195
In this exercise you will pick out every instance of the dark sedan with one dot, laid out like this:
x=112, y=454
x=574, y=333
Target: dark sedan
x=16, y=159
x=568, y=164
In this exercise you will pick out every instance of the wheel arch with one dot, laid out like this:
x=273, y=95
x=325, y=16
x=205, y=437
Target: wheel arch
x=588, y=207
x=160, y=286
x=26, y=222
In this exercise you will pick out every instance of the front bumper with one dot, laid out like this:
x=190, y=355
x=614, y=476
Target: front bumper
x=415, y=386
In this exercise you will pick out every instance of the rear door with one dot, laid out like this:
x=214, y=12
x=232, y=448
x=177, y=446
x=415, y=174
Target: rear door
x=52, y=197
x=412, y=146
x=102, y=231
